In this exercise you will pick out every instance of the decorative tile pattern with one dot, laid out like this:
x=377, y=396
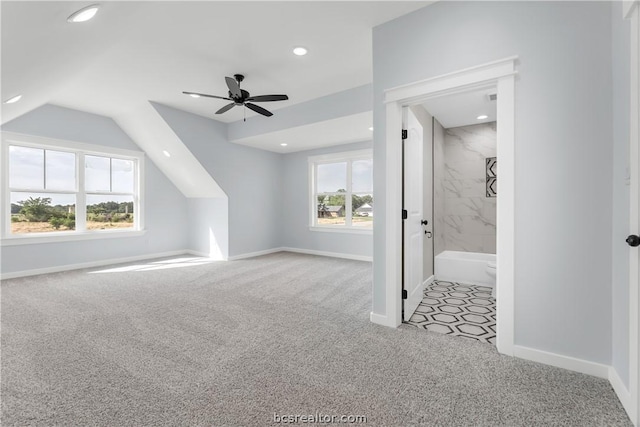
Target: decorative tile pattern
x=456, y=309
x=492, y=176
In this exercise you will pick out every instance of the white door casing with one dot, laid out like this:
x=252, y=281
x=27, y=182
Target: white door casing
x=632, y=12
x=500, y=74
x=413, y=204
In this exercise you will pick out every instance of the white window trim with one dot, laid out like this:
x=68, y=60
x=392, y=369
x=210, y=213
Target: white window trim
x=80, y=149
x=347, y=156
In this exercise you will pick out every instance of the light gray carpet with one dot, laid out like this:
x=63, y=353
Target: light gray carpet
x=233, y=343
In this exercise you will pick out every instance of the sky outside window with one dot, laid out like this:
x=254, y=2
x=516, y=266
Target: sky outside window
x=27, y=171
x=362, y=176
x=26, y=168
x=331, y=177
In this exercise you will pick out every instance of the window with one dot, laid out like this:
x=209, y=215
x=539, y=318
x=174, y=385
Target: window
x=342, y=191
x=55, y=188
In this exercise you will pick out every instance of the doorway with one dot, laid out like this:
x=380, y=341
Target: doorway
x=498, y=74
x=449, y=227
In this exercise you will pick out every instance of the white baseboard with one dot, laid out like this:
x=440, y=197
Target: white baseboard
x=428, y=281
x=380, y=319
x=302, y=251
x=329, y=254
x=566, y=362
x=204, y=254
x=197, y=253
x=101, y=263
x=254, y=254
x=91, y=264
x=621, y=391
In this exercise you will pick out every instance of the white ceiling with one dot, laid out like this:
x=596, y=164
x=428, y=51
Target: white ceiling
x=462, y=109
x=343, y=130
x=133, y=52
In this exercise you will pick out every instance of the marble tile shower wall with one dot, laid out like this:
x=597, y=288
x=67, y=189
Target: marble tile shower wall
x=469, y=216
x=439, y=244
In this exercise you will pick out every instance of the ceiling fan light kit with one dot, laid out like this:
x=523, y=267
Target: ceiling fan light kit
x=241, y=97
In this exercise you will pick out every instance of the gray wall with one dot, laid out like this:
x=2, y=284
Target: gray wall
x=251, y=178
x=620, y=193
x=563, y=127
x=209, y=227
x=296, y=233
x=252, y=219
x=469, y=215
x=165, y=206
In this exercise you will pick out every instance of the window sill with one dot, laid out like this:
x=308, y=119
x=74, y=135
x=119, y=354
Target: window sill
x=41, y=238
x=351, y=230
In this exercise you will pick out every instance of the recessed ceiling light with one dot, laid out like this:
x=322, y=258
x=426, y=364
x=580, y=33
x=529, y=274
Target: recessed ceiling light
x=371, y=128
x=84, y=14
x=14, y=99
x=284, y=144
x=194, y=95
x=300, y=51
x=482, y=117
x=166, y=153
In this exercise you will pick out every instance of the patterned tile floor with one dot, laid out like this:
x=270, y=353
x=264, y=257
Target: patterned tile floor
x=455, y=309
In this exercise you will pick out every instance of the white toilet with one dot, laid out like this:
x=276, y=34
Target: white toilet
x=491, y=271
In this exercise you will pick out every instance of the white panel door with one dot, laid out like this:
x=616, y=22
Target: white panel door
x=413, y=233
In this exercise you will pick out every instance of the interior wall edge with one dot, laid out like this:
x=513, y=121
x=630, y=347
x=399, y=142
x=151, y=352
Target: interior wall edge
x=620, y=389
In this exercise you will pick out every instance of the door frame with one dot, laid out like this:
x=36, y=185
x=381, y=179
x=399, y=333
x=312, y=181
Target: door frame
x=631, y=11
x=501, y=75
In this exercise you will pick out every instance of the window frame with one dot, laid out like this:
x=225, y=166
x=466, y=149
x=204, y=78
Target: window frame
x=346, y=156
x=80, y=150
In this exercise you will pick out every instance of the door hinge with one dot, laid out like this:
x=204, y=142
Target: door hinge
x=405, y=134
x=404, y=214
x=404, y=294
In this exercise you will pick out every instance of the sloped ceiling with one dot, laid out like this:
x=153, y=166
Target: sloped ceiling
x=135, y=52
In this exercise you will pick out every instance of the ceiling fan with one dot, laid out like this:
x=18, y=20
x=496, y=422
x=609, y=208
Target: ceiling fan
x=241, y=97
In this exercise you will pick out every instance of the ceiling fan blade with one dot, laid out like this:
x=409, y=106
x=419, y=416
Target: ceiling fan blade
x=208, y=96
x=258, y=109
x=233, y=87
x=226, y=108
x=266, y=98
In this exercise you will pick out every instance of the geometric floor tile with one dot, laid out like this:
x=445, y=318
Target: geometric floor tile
x=451, y=308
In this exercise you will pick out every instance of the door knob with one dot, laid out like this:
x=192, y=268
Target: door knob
x=633, y=240
x=424, y=222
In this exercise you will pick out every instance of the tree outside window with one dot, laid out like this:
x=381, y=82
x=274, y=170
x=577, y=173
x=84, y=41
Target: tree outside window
x=342, y=190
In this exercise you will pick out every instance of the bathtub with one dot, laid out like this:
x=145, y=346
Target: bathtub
x=465, y=267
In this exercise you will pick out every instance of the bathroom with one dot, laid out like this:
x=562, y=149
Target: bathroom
x=460, y=298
